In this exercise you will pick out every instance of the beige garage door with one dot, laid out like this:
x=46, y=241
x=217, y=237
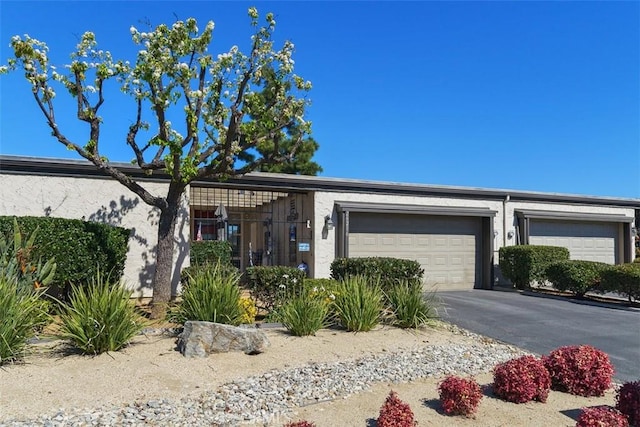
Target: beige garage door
x=591, y=241
x=446, y=247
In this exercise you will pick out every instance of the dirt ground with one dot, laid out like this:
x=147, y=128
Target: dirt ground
x=51, y=379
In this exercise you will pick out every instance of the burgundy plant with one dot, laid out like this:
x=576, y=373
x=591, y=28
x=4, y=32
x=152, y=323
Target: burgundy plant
x=521, y=380
x=459, y=396
x=301, y=423
x=601, y=416
x=628, y=402
x=395, y=413
x=582, y=370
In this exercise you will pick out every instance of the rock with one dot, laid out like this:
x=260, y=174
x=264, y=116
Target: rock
x=198, y=339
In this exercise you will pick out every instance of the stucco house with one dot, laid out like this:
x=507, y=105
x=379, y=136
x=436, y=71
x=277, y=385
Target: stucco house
x=277, y=219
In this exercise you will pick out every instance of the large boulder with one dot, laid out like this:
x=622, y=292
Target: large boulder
x=199, y=339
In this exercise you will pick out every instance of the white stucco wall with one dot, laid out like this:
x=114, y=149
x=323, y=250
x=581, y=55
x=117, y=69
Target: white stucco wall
x=325, y=245
x=102, y=200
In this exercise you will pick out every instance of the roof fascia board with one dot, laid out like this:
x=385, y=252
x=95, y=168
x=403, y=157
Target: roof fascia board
x=81, y=168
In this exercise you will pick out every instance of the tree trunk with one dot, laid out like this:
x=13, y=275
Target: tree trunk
x=164, y=252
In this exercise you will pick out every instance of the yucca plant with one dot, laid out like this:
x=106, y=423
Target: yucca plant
x=212, y=295
x=358, y=303
x=410, y=306
x=100, y=316
x=22, y=311
x=304, y=314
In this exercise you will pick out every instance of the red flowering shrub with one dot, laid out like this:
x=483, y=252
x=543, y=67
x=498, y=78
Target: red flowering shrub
x=521, y=380
x=459, y=396
x=628, y=402
x=395, y=413
x=601, y=416
x=580, y=369
x=301, y=423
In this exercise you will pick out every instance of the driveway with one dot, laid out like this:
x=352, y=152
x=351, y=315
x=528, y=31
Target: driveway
x=540, y=324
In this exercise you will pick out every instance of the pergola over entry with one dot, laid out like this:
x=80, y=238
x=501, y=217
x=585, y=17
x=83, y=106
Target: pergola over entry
x=593, y=237
x=454, y=245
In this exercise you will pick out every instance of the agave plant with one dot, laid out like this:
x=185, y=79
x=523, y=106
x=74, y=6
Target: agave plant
x=17, y=264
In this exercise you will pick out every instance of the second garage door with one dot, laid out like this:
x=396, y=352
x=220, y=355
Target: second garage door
x=591, y=241
x=448, y=248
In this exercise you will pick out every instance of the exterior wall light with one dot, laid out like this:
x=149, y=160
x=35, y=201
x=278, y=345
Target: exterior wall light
x=510, y=235
x=328, y=222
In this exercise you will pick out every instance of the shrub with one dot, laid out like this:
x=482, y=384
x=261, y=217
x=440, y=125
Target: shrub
x=249, y=310
x=575, y=276
x=326, y=284
x=601, y=416
x=524, y=264
x=628, y=401
x=100, y=316
x=521, y=380
x=581, y=370
x=304, y=314
x=301, y=423
x=210, y=252
x=358, y=303
x=411, y=309
x=79, y=248
x=212, y=295
x=22, y=311
x=623, y=279
x=395, y=413
x=271, y=285
x=388, y=270
x=459, y=396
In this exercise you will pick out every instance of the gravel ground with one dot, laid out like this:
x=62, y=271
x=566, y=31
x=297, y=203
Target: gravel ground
x=273, y=395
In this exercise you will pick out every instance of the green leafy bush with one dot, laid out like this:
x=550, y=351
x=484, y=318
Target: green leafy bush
x=100, y=316
x=212, y=295
x=410, y=307
x=395, y=413
x=210, y=252
x=272, y=285
x=79, y=248
x=304, y=314
x=575, y=276
x=628, y=401
x=358, y=303
x=623, y=279
x=22, y=311
x=389, y=270
x=582, y=370
x=524, y=264
x=17, y=263
x=521, y=380
x=326, y=284
x=601, y=416
x=459, y=396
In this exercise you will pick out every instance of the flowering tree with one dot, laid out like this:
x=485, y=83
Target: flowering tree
x=231, y=106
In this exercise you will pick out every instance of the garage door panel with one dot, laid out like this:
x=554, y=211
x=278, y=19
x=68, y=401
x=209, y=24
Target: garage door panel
x=592, y=241
x=447, y=248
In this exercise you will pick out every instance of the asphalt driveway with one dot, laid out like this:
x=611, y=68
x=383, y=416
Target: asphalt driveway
x=541, y=324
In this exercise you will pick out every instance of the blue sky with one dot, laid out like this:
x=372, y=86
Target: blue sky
x=540, y=96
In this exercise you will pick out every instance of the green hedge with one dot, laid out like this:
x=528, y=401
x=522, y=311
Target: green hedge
x=210, y=252
x=524, y=264
x=78, y=247
x=389, y=270
x=576, y=276
x=272, y=285
x=623, y=279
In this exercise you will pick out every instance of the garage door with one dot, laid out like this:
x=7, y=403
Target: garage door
x=591, y=241
x=448, y=248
